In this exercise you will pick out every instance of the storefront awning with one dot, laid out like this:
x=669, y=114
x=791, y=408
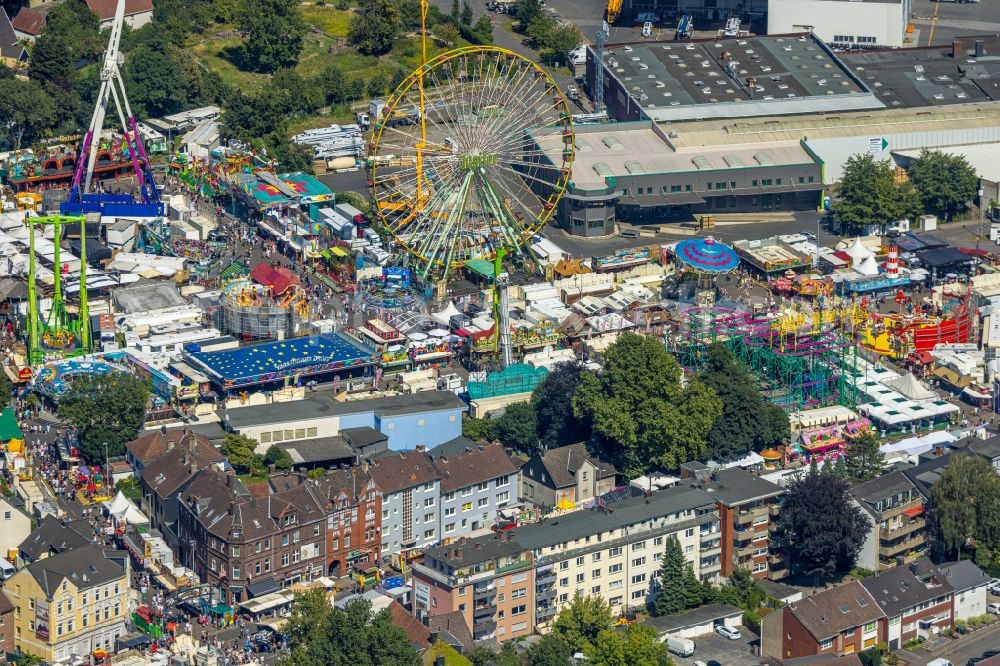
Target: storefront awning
x=914, y=511
x=261, y=587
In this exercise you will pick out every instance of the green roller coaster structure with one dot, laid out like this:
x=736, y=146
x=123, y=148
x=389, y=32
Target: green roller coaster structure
x=57, y=334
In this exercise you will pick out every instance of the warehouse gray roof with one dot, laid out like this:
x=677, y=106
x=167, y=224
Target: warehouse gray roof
x=472, y=551
x=579, y=524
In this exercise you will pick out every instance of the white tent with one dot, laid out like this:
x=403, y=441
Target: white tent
x=858, y=252
x=444, y=317
x=122, y=508
x=867, y=267
x=910, y=387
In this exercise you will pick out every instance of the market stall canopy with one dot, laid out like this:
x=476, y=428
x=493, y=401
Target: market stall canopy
x=910, y=387
x=858, y=252
x=867, y=267
x=444, y=316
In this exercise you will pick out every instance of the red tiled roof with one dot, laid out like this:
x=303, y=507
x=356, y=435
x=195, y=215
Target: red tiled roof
x=105, y=9
x=414, y=628
x=29, y=21
x=480, y=464
x=278, y=279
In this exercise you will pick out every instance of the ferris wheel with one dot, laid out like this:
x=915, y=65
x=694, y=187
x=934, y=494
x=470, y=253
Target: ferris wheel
x=471, y=154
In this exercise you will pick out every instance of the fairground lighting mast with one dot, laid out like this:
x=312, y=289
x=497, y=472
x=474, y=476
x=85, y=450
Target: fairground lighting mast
x=112, y=86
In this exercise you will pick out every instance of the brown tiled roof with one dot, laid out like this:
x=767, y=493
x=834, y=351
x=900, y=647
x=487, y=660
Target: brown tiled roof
x=418, y=634
x=454, y=623
x=5, y=605
x=480, y=464
x=563, y=463
x=405, y=470
x=149, y=447
x=352, y=481
x=832, y=611
x=105, y=9
x=169, y=472
x=29, y=21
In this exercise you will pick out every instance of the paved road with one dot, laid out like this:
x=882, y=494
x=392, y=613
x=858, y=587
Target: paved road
x=959, y=651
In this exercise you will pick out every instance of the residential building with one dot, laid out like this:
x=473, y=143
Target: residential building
x=6, y=624
x=490, y=580
x=28, y=23
x=353, y=504
x=11, y=51
x=70, y=604
x=137, y=12
x=474, y=486
x=425, y=418
x=249, y=546
x=15, y=527
x=748, y=509
x=53, y=536
x=894, y=508
x=837, y=621
x=916, y=600
x=568, y=474
x=162, y=481
x=411, y=498
x=154, y=445
x=969, y=583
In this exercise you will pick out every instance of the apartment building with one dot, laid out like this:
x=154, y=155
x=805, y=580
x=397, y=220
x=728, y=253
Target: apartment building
x=748, y=509
x=474, y=486
x=353, y=504
x=70, y=604
x=917, y=600
x=565, y=476
x=411, y=495
x=249, y=546
x=490, y=580
x=838, y=621
x=894, y=507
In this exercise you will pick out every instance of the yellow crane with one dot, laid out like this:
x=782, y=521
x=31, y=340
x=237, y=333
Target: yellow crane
x=614, y=9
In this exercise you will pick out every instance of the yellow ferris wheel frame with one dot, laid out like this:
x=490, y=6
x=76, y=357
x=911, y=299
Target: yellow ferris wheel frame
x=416, y=78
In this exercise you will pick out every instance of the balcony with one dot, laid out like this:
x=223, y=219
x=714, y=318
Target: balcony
x=774, y=510
x=911, y=506
x=744, y=533
x=544, y=612
x=899, y=547
x=483, y=592
x=483, y=613
x=745, y=551
x=547, y=578
x=514, y=566
x=906, y=527
x=546, y=593
x=743, y=518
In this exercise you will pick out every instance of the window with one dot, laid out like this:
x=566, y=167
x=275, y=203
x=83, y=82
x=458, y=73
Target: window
x=615, y=552
x=518, y=610
x=638, y=545
x=447, y=497
x=639, y=594
x=615, y=584
x=429, y=518
x=870, y=626
x=429, y=502
x=596, y=557
x=483, y=501
x=267, y=544
x=675, y=188
x=639, y=578
x=564, y=565
x=518, y=593
x=450, y=527
x=501, y=480
x=450, y=511
x=580, y=577
x=639, y=561
x=284, y=559
x=615, y=568
x=503, y=497
x=616, y=601
x=461, y=591
x=256, y=569
x=429, y=534
x=267, y=565
x=564, y=582
x=501, y=597
x=826, y=645
x=596, y=573
x=467, y=506
x=658, y=541
x=284, y=539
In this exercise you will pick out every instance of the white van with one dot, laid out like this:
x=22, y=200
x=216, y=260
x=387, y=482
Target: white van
x=939, y=662
x=682, y=647
x=6, y=569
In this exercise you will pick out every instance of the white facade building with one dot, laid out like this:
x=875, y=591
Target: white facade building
x=842, y=23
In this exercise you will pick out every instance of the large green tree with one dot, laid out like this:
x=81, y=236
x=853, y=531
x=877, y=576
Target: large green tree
x=869, y=195
x=678, y=588
x=527, y=11
x=374, y=28
x=279, y=457
x=748, y=422
x=639, y=410
x=741, y=590
x=824, y=528
x=155, y=79
x=864, y=460
x=516, y=428
x=553, y=402
x=551, y=650
x=27, y=111
x=240, y=451
x=965, y=505
x=635, y=645
x=274, y=30
x=321, y=635
x=106, y=409
x=946, y=183
x=579, y=623
x=51, y=62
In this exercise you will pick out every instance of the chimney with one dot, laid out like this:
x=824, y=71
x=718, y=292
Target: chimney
x=229, y=480
x=421, y=448
x=163, y=429
x=232, y=508
x=458, y=553
x=433, y=638
x=194, y=467
x=956, y=49
x=271, y=469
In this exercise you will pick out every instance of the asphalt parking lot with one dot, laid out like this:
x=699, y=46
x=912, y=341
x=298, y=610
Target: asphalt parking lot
x=715, y=650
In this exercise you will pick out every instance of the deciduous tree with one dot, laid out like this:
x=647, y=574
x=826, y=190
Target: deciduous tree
x=640, y=412
x=824, y=529
x=106, y=409
x=27, y=112
x=549, y=651
x=553, y=403
x=635, y=645
x=375, y=27
x=274, y=30
x=277, y=456
x=868, y=194
x=516, y=428
x=240, y=451
x=965, y=505
x=579, y=623
x=946, y=183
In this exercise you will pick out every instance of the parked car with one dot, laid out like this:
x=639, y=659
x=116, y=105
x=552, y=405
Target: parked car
x=993, y=609
x=735, y=635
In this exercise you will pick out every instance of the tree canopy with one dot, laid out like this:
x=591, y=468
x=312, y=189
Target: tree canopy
x=965, y=505
x=678, y=589
x=640, y=412
x=516, y=428
x=557, y=425
x=277, y=456
x=274, y=30
x=579, y=623
x=321, y=635
x=374, y=28
x=824, y=529
x=748, y=422
x=864, y=460
x=27, y=110
x=635, y=645
x=869, y=195
x=239, y=450
x=946, y=183
x=106, y=409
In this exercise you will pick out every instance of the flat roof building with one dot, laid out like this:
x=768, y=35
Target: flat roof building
x=843, y=23
x=726, y=78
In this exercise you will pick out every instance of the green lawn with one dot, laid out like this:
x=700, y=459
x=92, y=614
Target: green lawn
x=327, y=19
x=210, y=51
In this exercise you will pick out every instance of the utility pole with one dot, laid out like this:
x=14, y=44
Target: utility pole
x=599, y=72
x=982, y=217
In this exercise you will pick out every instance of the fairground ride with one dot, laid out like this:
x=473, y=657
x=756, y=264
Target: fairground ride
x=81, y=200
x=471, y=153
x=57, y=334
